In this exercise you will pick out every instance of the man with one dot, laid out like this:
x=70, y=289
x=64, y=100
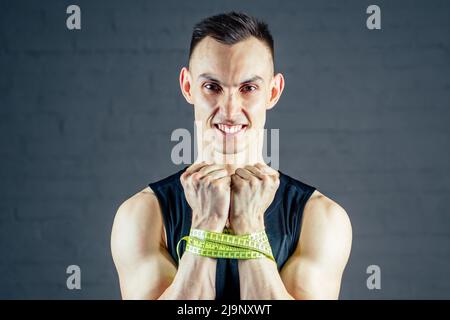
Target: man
x=231, y=83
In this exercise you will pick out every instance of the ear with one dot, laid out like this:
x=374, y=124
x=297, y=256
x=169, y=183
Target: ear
x=276, y=89
x=185, y=84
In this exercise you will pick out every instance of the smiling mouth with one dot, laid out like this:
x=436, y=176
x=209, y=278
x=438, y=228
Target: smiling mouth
x=230, y=130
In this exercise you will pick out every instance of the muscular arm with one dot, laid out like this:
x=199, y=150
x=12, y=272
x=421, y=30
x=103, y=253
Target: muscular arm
x=315, y=269
x=145, y=268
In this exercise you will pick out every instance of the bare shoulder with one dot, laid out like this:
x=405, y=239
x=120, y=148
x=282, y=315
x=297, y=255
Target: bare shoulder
x=322, y=208
x=326, y=229
x=139, y=206
x=137, y=227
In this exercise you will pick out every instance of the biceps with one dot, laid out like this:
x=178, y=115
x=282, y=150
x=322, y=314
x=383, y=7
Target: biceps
x=308, y=280
x=147, y=279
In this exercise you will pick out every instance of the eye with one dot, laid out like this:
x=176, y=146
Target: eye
x=248, y=88
x=213, y=87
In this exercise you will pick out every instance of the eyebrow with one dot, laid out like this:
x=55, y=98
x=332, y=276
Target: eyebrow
x=212, y=78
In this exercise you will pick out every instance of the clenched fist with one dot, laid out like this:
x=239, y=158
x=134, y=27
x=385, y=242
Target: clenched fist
x=253, y=189
x=207, y=190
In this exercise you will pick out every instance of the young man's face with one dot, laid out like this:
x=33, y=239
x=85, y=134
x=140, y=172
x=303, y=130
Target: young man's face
x=231, y=87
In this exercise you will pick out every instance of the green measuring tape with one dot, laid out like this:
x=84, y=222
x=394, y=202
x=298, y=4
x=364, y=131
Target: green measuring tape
x=227, y=245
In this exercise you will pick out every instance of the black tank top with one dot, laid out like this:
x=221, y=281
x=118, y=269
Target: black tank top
x=282, y=221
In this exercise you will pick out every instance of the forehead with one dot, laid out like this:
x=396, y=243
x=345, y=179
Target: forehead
x=232, y=63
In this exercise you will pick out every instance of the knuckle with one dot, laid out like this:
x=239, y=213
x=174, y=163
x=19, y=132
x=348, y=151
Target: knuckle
x=236, y=182
x=220, y=186
x=207, y=180
x=194, y=179
x=217, y=185
x=276, y=183
x=276, y=179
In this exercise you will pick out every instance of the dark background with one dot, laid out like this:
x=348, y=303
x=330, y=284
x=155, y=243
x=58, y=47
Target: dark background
x=86, y=118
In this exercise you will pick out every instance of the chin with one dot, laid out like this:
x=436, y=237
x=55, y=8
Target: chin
x=230, y=149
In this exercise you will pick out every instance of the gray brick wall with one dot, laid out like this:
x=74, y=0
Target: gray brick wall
x=86, y=118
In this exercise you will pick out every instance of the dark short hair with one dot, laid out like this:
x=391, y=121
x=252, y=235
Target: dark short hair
x=230, y=28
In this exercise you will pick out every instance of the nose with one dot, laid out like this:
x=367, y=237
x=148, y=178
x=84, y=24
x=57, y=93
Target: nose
x=231, y=107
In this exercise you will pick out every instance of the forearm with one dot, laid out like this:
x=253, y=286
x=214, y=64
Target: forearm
x=194, y=280
x=260, y=280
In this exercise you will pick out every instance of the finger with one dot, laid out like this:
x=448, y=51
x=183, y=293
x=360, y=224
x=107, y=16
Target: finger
x=255, y=171
x=226, y=179
x=217, y=174
x=243, y=173
x=236, y=180
x=235, y=177
x=266, y=169
x=210, y=168
x=195, y=167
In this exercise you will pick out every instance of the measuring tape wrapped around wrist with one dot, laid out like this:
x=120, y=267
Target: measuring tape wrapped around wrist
x=227, y=245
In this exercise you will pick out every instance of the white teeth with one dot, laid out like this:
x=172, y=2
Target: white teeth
x=229, y=129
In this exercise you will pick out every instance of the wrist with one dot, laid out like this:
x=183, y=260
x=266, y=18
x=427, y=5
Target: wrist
x=211, y=224
x=241, y=226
